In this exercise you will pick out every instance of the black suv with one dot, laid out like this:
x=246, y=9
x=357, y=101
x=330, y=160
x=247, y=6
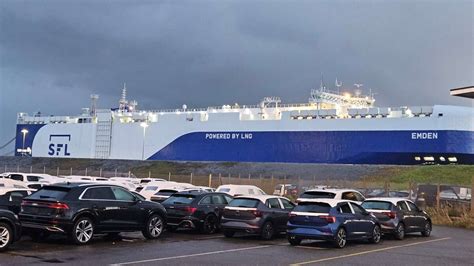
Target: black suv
x=196, y=210
x=10, y=229
x=82, y=210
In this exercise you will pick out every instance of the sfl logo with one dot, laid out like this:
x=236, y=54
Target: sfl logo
x=60, y=147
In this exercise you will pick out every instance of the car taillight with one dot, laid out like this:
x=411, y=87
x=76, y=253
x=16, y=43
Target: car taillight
x=329, y=219
x=58, y=206
x=292, y=214
x=190, y=210
x=391, y=215
x=257, y=213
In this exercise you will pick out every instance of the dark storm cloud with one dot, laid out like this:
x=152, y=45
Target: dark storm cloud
x=53, y=54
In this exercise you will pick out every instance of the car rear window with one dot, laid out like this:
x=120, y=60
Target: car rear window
x=151, y=188
x=318, y=195
x=245, y=203
x=50, y=193
x=166, y=192
x=180, y=199
x=318, y=207
x=32, y=178
x=376, y=205
x=223, y=190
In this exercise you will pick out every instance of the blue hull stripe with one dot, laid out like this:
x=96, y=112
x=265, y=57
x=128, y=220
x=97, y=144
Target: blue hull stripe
x=345, y=147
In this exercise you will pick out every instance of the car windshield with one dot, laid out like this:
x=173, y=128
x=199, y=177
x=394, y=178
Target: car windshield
x=180, y=199
x=318, y=207
x=376, y=205
x=57, y=193
x=166, y=192
x=223, y=189
x=245, y=203
x=151, y=188
x=318, y=195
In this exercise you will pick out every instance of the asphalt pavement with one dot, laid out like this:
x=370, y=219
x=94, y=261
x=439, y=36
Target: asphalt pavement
x=446, y=246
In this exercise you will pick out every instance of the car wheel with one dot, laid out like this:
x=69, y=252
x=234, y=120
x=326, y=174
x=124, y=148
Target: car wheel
x=427, y=229
x=154, y=227
x=210, y=225
x=82, y=231
x=267, y=231
x=400, y=231
x=6, y=236
x=341, y=238
x=375, y=235
x=228, y=233
x=294, y=241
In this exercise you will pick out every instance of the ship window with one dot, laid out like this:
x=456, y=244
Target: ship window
x=440, y=114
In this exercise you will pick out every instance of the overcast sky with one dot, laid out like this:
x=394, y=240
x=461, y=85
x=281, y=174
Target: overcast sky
x=55, y=53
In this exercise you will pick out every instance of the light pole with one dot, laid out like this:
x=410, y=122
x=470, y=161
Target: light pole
x=144, y=125
x=24, y=131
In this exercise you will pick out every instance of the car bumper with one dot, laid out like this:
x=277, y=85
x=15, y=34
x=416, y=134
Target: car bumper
x=252, y=228
x=184, y=222
x=324, y=233
x=388, y=227
x=47, y=224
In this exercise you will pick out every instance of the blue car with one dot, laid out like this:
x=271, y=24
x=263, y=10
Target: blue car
x=332, y=220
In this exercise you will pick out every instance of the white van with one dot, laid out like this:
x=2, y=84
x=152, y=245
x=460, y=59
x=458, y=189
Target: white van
x=240, y=190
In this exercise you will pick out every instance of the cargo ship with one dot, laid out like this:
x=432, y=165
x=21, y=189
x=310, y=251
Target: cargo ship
x=331, y=128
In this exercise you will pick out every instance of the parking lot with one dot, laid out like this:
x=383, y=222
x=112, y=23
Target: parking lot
x=446, y=246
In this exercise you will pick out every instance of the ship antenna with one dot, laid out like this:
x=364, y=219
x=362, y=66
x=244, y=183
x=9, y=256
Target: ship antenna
x=321, y=86
x=338, y=85
x=123, y=101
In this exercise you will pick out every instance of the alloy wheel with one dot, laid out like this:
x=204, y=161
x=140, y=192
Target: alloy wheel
x=4, y=236
x=341, y=238
x=376, y=234
x=155, y=226
x=84, y=231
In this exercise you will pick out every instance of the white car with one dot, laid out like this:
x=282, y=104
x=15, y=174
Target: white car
x=10, y=183
x=331, y=193
x=31, y=180
x=240, y=190
x=154, y=187
x=81, y=178
x=135, y=181
x=201, y=188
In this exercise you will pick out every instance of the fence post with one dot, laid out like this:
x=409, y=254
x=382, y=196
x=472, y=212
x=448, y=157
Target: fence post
x=437, y=196
x=210, y=180
x=129, y=173
x=229, y=179
x=284, y=180
x=273, y=184
x=191, y=179
x=18, y=168
x=5, y=169
x=100, y=172
x=44, y=169
x=57, y=171
x=86, y=172
x=115, y=171
x=169, y=176
x=472, y=200
x=31, y=168
x=249, y=176
x=149, y=174
x=71, y=171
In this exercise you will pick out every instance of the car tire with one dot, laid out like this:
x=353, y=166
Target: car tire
x=427, y=229
x=210, y=224
x=228, y=233
x=267, y=231
x=294, y=241
x=6, y=236
x=341, y=238
x=376, y=235
x=400, y=231
x=154, y=227
x=82, y=231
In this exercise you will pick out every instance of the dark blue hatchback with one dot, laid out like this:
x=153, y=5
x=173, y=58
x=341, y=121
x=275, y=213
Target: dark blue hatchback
x=332, y=220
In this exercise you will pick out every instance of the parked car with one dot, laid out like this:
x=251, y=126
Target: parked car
x=6, y=183
x=399, y=216
x=263, y=214
x=152, y=188
x=10, y=198
x=196, y=210
x=240, y=190
x=333, y=220
x=33, y=181
x=332, y=193
x=83, y=210
x=164, y=194
x=286, y=189
x=10, y=229
x=145, y=181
